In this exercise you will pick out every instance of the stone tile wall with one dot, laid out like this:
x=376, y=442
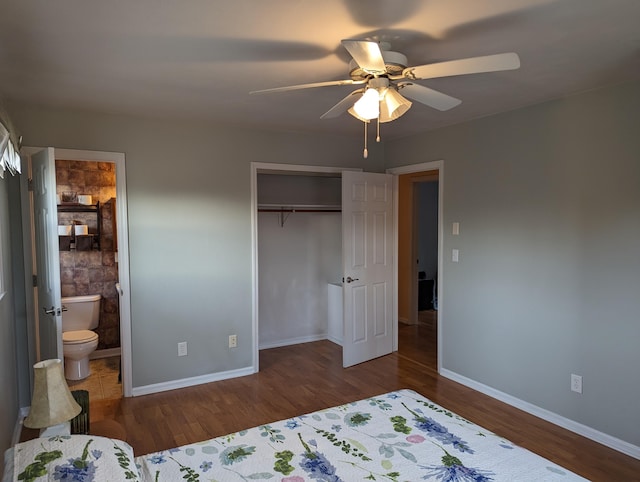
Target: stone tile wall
x=92, y=272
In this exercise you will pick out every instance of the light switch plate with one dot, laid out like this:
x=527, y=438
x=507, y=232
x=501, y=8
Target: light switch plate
x=182, y=348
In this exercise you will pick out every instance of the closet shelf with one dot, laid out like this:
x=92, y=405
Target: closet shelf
x=299, y=208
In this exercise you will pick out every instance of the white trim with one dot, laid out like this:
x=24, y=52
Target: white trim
x=272, y=168
x=83, y=155
x=255, y=356
x=588, y=432
x=397, y=171
x=294, y=341
x=192, y=381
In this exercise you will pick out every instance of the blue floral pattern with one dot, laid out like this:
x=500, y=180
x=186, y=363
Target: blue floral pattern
x=398, y=436
x=77, y=458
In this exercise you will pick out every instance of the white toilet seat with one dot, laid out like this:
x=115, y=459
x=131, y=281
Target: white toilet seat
x=78, y=337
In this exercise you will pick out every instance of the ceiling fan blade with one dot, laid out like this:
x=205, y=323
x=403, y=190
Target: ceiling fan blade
x=342, y=106
x=429, y=97
x=473, y=65
x=367, y=55
x=308, y=86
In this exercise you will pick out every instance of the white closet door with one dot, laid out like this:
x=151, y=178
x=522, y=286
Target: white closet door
x=367, y=233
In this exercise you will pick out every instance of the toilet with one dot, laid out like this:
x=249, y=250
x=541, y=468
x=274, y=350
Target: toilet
x=80, y=314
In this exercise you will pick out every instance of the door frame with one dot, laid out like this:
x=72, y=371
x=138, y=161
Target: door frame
x=397, y=171
x=271, y=168
x=117, y=158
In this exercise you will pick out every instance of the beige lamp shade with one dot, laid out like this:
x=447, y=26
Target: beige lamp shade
x=52, y=402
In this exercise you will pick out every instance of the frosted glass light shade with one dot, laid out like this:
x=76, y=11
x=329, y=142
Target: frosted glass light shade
x=368, y=107
x=393, y=106
x=52, y=402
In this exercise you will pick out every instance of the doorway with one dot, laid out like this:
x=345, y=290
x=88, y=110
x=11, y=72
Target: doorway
x=109, y=271
x=88, y=248
x=367, y=259
x=419, y=260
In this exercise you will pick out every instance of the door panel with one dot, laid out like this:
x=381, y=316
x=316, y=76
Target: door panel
x=48, y=309
x=367, y=215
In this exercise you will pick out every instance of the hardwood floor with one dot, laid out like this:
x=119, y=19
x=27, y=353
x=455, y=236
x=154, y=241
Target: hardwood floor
x=419, y=342
x=303, y=378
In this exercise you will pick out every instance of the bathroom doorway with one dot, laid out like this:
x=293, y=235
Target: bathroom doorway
x=91, y=196
x=88, y=248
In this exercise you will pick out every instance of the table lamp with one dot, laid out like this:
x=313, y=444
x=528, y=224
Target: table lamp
x=52, y=405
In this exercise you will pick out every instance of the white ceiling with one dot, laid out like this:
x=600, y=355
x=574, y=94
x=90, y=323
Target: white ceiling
x=200, y=58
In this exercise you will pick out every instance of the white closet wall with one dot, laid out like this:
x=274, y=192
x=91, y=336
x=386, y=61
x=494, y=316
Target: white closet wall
x=299, y=253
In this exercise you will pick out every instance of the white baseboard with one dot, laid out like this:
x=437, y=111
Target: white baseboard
x=337, y=341
x=588, y=432
x=106, y=353
x=292, y=341
x=190, y=382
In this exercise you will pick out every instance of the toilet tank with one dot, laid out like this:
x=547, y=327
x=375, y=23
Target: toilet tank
x=82, y=312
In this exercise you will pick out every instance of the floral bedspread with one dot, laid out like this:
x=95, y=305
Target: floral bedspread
x=78, y=458
x=398, y=436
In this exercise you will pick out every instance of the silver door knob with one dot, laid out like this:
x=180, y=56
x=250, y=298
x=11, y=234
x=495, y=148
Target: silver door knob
x=50, y=311
x=351, y=280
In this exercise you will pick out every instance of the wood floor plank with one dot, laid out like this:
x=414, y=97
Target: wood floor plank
x=304, y=378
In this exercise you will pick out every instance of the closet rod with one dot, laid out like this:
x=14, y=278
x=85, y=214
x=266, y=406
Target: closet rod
x=299, y=210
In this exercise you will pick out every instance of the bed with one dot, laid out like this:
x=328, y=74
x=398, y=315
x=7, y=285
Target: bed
x=397, y=436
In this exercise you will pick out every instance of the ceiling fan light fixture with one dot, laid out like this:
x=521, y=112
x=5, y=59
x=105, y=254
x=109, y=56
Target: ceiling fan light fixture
x=393, y=106
x=368, y=106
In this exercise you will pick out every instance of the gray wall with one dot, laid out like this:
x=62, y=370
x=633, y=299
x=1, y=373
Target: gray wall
x=9, y=356
x=188, y=189
x=548, y=283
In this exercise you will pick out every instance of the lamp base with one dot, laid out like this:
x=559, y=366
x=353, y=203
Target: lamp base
x=63, y=428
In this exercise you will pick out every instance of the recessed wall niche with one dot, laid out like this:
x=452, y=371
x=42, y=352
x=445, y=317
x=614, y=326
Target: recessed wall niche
x=92, y=271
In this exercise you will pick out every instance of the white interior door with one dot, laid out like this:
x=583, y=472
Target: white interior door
x=48, y=308
x=367, y=253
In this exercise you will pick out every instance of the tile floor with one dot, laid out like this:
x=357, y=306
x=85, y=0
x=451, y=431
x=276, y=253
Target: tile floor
x=103, y=382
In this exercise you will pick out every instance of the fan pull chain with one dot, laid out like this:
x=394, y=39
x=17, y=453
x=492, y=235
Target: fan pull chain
x=378, y=130
x=365, y=154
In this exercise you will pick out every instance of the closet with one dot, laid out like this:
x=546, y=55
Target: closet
x=299, y=255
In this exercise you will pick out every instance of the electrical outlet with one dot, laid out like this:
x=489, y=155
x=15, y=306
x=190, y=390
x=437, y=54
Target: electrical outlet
x=182, y=348
x=233, y=341
x=576, y=383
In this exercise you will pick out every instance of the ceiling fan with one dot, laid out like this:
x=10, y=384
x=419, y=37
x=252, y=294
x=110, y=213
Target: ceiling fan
x=384, y=74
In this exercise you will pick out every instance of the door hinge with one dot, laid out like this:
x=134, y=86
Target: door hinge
x=30, y=185
x=35, y=280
